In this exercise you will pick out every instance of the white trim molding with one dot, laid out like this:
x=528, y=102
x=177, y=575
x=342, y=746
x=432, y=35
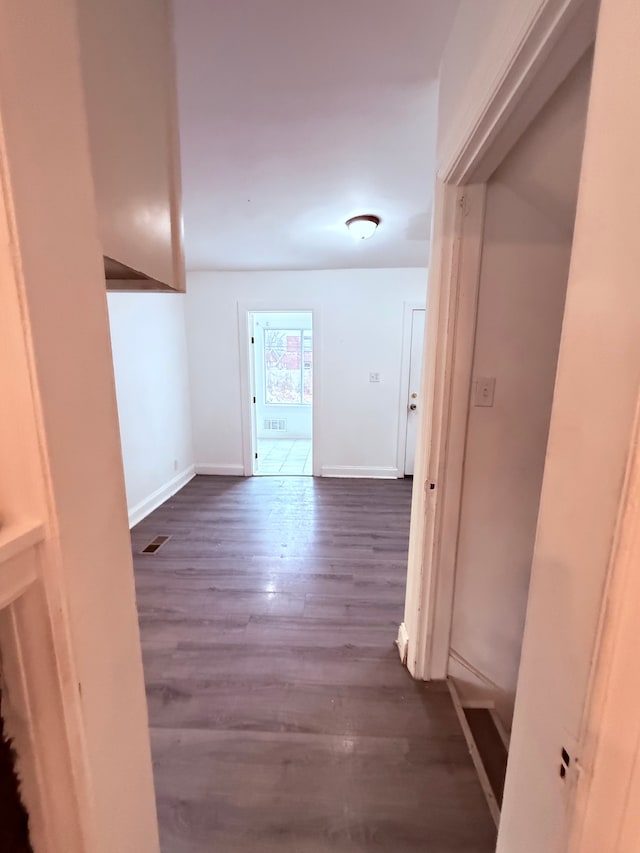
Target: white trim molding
x=374, y=472
x=145, y=507
x=213, y=469
x=505, y=100
x=477, y=688
x=446, y=383
x=510, y=89
x=402, y=642
x=479, y=676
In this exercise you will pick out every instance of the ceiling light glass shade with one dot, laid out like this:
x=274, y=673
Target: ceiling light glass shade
x=362, y=227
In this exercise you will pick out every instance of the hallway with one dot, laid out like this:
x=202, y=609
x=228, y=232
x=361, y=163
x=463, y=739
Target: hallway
x=281, y=718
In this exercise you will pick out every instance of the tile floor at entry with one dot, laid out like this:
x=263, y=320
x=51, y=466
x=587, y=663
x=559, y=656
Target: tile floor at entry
x=281, y=718
x=285, y=456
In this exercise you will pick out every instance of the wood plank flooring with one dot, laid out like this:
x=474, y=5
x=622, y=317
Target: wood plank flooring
x=281, y=718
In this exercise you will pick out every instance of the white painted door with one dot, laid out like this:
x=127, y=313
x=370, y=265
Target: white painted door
x=415, y=378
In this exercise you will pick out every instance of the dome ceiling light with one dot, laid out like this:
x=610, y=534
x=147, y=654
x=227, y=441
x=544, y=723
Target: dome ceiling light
x=363, y=227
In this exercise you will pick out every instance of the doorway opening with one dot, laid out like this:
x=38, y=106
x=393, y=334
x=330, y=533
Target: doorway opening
x=499, y=336
x=504, y=237
x=527, y=236
x=282, y=393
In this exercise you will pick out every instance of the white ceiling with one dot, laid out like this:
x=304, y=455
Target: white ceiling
x=296, y=115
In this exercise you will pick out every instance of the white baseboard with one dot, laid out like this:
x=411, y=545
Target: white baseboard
x=143, y=508
x=219, y=470
x=402, y=643
x=349, y=471
x=477, y=690
x=478, y=677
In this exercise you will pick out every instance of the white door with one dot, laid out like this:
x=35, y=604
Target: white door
x=415, y=378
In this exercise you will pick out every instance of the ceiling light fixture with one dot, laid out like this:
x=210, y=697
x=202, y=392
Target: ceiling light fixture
x=362, y=227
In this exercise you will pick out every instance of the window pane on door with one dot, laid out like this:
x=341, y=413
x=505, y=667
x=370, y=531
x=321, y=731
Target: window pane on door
x=307, y=367
x=283, y=366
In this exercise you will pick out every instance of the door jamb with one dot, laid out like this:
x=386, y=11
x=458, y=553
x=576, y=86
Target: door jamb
x=446, y=390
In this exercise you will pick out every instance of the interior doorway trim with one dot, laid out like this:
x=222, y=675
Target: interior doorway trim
x=555, y=41
x=279, y=306
x=446, y=384
x=497, y=115
x=558, y=35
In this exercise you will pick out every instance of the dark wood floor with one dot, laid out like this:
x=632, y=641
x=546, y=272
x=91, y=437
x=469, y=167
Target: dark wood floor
x=281, y=718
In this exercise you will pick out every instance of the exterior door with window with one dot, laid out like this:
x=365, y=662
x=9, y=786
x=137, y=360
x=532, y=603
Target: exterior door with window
x=282, y=375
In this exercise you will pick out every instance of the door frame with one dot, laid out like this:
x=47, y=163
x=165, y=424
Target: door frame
x=247, y=407
x=556, y=40
x=446, y=384
x=604, y=775
x=405, y=374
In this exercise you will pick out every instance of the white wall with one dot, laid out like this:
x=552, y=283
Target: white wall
x=358, y=325
x=525, y=266
x=150, y=364
x=299, y=419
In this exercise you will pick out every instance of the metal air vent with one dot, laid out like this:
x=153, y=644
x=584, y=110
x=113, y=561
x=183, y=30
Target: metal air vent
x=155, y=545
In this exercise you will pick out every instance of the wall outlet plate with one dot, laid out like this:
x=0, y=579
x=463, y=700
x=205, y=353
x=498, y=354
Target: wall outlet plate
x=374, y=377
x=484, y=389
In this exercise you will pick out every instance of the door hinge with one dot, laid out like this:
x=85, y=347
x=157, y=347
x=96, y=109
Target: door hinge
x=256, y=455
x=254, y=399
x=463, y=203
x=253, y=340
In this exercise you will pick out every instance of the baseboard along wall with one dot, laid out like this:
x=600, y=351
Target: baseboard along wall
x=144, y=507
x=212, y=469
x=386, y=473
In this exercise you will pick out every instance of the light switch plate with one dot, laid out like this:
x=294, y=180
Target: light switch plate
x=484, y=389
x=374, y=377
